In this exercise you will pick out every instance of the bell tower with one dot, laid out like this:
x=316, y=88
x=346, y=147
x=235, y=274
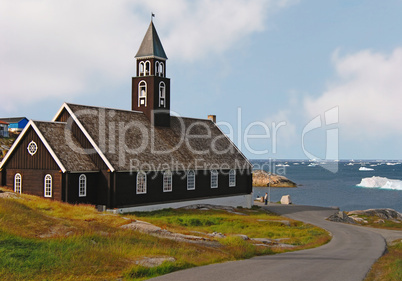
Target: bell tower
x=151, y=88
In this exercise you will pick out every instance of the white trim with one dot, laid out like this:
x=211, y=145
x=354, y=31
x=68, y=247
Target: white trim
x=84, y=194
x=41, y=137
x=151, y=57
x=93, y=107
x=213, y=174
x=48, y=147
x=59, y=112
x=48, y=177
x=15, y=185
x=193, y=175
x=145, y=183
x=232, y=183
x=97, y=149
x=167, y=181
x=162, y=85
x=139, y=93
x=32, y=151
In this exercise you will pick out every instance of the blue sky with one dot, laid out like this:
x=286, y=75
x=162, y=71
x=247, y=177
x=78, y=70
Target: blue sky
x=286, y=78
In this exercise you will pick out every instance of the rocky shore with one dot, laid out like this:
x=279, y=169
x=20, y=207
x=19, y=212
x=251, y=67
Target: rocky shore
x=262, y=178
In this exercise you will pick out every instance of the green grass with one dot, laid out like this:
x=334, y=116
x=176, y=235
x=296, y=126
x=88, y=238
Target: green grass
x=254, y=223
x=42, y=239
x=389, y=266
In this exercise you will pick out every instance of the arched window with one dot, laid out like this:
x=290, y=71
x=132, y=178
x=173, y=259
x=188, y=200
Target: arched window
x=82, y=186
x=214, y=179
x=142, y=69
x=17, y=183
x=48, y=185
x=190, y=180
x=157, y=68
x=161, y=70
x=167, y=181
x=232, y=178
x=162, y=94
x=147, y=68
x=141, y=183
x=142, y=93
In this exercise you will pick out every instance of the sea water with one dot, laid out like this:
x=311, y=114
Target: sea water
x=347, y=184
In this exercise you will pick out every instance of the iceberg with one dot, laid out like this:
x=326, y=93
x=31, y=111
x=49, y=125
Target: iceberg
x=381, y=182
x=365, y=169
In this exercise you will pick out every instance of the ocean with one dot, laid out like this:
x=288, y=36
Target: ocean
x=356, y=185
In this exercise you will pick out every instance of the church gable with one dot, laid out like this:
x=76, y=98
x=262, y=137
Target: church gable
x=30, y=152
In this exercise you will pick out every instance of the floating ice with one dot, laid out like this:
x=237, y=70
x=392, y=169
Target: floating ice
x=381, y=182
x=365, y=169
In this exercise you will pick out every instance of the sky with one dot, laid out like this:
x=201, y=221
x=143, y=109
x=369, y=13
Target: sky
x=287, y=79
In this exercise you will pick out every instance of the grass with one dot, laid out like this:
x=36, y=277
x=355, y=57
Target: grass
x=389, y=266
x=254, y=224
x=42, y=239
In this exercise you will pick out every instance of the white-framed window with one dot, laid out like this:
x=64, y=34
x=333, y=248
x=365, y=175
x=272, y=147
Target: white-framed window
x=162, y=94
x=32, y=148
x=232, y=178
x=190, y=180
x=141, y=183
x=18, y=183
x=167, y=181
x=142, y=93
x=214, y=179
x=159, y=69
x=48, y=185
x=82, y=186
x=142, y=68
x=147, y=68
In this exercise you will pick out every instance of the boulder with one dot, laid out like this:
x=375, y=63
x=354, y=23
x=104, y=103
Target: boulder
x=262, y=178
x=385, y=214
x=286, y=200
x=341, y=217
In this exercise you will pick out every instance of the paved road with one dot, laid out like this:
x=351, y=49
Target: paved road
x=348, y=257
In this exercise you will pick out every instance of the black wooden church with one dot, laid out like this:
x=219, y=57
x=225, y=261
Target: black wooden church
x=127, y=158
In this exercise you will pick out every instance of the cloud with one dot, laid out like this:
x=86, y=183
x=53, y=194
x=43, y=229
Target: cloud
x=60, y=49
x=368, y=91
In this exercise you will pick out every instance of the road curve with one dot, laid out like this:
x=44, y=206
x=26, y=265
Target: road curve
x=348, y=256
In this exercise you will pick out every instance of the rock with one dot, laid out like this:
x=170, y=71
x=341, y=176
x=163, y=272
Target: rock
x=341, y=217
x=385, y=214
x=262, y=240
x=155, y=261
x=262, y=178
x=286, y=200
x=216, y=235
x=244, y=237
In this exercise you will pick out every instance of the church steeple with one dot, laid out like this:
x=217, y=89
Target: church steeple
x=151, y=45
x=151, y=88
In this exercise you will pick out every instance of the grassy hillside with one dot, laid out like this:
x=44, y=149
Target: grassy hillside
x=45, y=240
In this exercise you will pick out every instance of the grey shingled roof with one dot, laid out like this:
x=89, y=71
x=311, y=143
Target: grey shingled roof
x=177, y=147
x=151, y=45
x=73, y=160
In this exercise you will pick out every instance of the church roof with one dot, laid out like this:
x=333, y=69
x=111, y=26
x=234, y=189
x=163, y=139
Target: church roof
x=129, y=141
x=151, y=45
x=68, y=150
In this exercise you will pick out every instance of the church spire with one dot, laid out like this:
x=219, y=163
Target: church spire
x=151, y=45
